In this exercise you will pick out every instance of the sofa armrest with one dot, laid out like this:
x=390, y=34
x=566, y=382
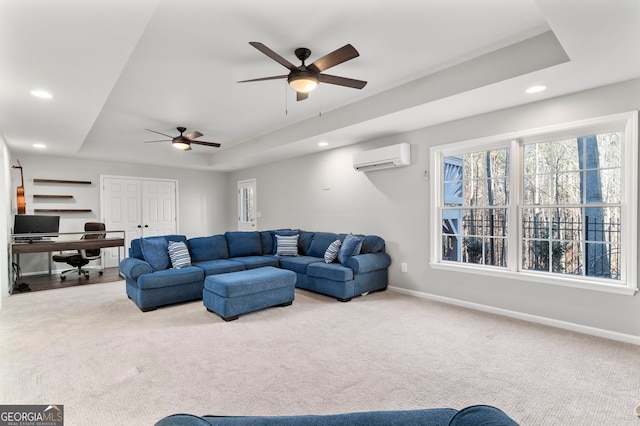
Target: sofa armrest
x=368, y=262
x=133, y=267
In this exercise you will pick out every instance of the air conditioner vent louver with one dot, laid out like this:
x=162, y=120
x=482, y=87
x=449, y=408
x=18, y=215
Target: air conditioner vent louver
x=383, y=158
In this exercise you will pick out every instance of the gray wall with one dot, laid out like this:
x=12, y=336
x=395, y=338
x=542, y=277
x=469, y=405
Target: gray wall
x=322, y=192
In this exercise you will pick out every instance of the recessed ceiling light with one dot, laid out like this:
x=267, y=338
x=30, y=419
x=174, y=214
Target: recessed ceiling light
x=41, y=94
x=39, y=145
x=536, y=89
x=323, y=143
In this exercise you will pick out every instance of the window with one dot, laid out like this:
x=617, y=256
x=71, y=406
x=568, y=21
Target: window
x=556, y=205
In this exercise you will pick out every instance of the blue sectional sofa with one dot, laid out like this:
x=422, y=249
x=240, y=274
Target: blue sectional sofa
x=476, y=415
x=360, y=267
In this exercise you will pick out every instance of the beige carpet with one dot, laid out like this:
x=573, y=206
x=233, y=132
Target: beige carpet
x=92, y=350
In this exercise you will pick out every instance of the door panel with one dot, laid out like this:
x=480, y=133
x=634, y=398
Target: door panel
x=121, y=212
x=159, y=216
x=247, y=205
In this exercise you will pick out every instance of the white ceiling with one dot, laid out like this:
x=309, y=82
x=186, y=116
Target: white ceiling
x=117, y=67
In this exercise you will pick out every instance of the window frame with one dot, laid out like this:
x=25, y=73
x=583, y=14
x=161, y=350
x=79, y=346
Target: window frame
x=626, y=123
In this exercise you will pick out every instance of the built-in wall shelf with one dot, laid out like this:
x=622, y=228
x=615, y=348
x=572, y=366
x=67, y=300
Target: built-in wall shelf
x=62, y=210
x=79, y=182
x=51, y=196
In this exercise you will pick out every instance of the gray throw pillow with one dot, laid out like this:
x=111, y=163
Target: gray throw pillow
x=287, y=245
x=332, y=251
x=179, y=255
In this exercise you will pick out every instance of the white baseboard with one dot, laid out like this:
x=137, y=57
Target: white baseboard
x=598, y=332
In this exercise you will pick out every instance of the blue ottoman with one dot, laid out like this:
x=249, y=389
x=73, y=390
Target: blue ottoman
x=235, y=293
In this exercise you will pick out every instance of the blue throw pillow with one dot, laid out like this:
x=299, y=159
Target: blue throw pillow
x=156, y=253
x=179, y=255
x=243, y=243
x=332, y=251
x=350, y=247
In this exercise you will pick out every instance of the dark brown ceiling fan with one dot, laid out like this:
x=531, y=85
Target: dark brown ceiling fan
x=184, y=141
x=305, y=78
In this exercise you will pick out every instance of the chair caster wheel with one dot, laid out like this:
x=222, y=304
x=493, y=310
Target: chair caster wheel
x=86, y=277
x=100, y=273
x=63, y=278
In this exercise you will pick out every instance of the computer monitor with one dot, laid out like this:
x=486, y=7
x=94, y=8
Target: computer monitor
x=36, y=224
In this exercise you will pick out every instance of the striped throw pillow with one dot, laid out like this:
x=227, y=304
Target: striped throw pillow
x=332, y=251
x=287, y=245
x=179, y=255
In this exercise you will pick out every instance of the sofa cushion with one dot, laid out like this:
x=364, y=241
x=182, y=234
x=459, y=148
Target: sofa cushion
x=320, y=243
x=179, y=255
x=219, y=266
x=372, y=244
x=368, y=262
x=266, y=238
x=208, y=248
x=170, y=278
x=350, y=247
x=136, y=249
x=298, y=263
x=304, y=241
x=287, y=245
x=332, y=251
x=155, y=251
x=330, y=271
x=252, y=262
x=243, y=243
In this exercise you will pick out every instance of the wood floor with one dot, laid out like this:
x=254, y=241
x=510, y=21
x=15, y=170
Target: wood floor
x=50, y=282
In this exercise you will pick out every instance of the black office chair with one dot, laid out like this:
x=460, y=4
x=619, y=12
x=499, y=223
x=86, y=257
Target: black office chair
x=82, y=257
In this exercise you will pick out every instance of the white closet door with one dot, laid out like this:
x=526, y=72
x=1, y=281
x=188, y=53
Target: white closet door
x=121, y=211
x=139, y=207
x=158, y=207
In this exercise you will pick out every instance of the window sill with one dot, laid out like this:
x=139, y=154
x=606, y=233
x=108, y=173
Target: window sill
x=583, y=283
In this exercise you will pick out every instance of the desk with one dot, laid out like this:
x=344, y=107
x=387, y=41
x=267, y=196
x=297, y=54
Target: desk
x=48, y=246
x=43, y=246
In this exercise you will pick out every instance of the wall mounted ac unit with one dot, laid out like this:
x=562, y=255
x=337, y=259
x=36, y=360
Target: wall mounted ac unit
x=383, y=158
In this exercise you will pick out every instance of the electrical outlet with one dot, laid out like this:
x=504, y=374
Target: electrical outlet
x=403, y=267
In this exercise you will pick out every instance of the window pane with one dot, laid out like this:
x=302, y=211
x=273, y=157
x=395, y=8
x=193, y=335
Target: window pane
x=566, y=224
x=610, y=181
x=496, y=252
x=566, y=189
x=609, y=150
x=535, y=223
x=567, y=258
x=537, y=189
x=472, y=222
x=472, y=250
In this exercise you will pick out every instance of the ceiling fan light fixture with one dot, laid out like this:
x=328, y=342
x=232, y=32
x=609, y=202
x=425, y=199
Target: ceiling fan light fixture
x=181, y=144
x=303, y=81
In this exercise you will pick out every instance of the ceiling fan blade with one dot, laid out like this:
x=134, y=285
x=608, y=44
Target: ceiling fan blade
x=193, y=135
x=275, y=77
x=213, y=144
x=334, y=58
x=273, y=55
x=301, y=96
x=341, y=81
x=169, y=136
x=163, y=140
